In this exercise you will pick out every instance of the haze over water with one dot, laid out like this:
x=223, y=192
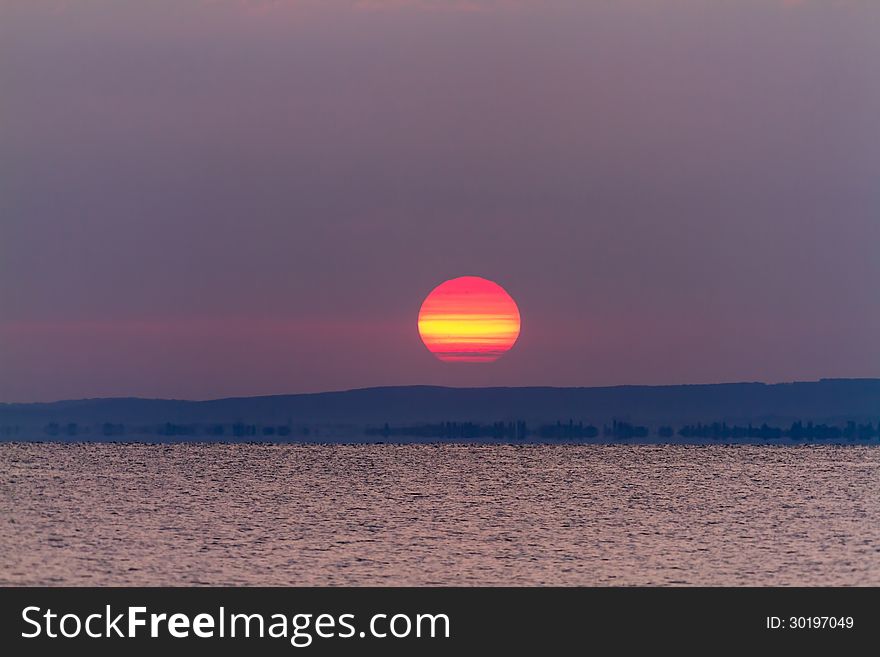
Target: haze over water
x=115, y=514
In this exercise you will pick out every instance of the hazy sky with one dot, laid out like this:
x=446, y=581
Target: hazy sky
x=209, y=198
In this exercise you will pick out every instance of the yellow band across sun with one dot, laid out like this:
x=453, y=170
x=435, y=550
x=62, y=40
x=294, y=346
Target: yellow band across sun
x=471, y=327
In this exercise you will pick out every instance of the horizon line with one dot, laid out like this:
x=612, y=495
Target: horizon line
x=437, y=387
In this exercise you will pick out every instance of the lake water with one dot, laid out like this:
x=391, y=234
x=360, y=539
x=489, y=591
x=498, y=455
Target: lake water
x=96, y=514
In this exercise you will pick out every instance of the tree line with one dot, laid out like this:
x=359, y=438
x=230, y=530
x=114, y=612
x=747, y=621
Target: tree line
x=621, y=430
x=111, y=429
x=452, y=430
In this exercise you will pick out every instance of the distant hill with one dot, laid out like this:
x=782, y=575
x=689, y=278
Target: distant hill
x=827, y=400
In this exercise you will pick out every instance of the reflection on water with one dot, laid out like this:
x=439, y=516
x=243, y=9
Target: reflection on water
x=438, y=514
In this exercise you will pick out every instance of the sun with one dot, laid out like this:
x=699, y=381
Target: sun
x=469, y=320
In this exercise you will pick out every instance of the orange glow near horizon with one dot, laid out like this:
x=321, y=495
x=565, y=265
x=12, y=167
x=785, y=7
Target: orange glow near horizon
x=469, y=320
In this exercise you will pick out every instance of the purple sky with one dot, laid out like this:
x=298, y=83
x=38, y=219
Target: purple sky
x=212, y=198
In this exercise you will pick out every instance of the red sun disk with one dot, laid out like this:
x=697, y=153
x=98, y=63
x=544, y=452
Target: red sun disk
x=469, y=320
